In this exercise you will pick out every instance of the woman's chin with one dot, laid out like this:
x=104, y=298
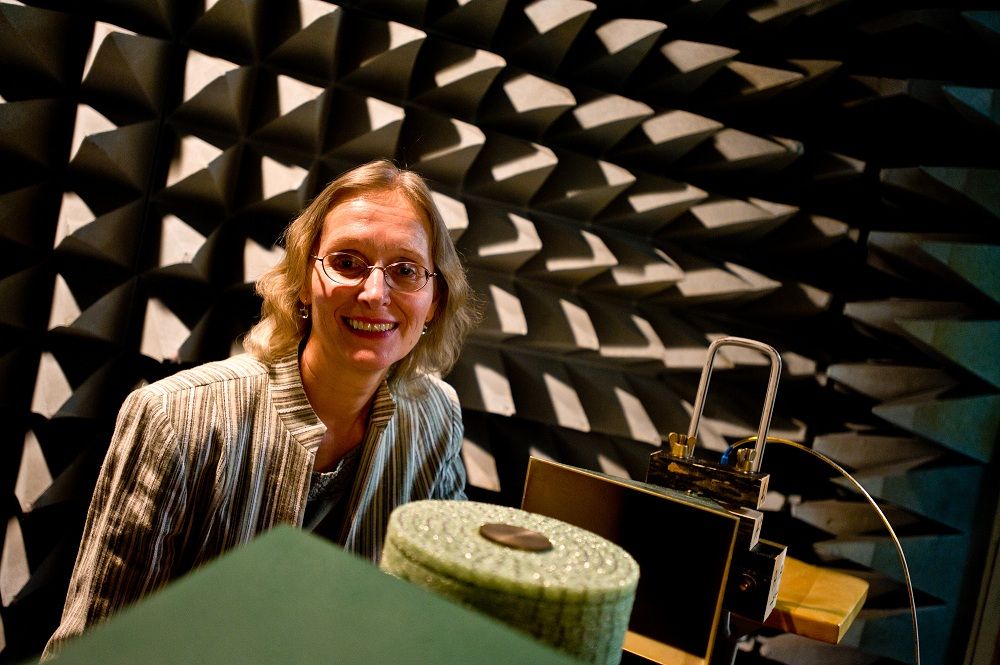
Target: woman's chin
x=372, y=362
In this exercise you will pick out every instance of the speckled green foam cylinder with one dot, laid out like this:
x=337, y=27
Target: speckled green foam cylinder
x=576, y=596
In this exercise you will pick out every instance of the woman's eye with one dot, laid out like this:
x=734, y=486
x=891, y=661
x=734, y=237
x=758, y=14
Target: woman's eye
x=405, y=270
x=346, y=263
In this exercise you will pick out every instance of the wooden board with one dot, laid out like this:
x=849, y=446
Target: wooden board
x=816, y=602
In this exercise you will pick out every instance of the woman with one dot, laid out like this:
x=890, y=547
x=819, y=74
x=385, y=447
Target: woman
x=331, y=420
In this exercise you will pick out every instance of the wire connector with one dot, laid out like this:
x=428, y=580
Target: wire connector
x=754, y=577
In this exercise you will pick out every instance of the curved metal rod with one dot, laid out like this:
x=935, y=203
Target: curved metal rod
x=772, y=390
x=885, y=522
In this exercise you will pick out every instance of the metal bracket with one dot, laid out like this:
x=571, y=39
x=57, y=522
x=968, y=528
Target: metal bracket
x=772, y=390
x=735, y=486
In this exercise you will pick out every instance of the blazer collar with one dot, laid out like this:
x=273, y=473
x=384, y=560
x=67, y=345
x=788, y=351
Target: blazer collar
x=305, y=427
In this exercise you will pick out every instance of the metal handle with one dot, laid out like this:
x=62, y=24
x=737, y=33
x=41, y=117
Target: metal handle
x=772, y=390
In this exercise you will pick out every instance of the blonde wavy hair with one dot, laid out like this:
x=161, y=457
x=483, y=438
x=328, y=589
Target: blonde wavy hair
x=281, y=329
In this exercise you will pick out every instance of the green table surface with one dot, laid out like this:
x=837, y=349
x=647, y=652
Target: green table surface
x=291, y=597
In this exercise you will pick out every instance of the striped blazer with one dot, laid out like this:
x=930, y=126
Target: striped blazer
x=206, y=459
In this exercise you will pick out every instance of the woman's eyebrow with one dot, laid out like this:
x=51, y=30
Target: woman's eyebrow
x=359, y=244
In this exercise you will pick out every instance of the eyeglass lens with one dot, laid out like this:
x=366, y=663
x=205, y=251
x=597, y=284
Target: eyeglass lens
x=350, y=269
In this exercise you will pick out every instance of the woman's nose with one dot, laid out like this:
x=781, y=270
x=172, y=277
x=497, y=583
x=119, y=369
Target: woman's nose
x=373, y=288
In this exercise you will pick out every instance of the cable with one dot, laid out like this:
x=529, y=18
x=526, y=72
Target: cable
x=885, y=521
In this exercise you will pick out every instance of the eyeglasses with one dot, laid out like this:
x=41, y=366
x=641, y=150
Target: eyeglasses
x=351, y=270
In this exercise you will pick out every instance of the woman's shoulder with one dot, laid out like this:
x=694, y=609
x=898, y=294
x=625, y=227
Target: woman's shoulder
x=242, y=367
x=426, y=390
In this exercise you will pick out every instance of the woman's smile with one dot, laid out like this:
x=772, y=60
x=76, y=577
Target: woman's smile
x=369, y=327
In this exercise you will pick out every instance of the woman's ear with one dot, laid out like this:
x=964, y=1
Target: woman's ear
x=432, y=312
x=305, y=293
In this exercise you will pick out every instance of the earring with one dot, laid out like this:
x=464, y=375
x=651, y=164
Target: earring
x=303, y=310
x=424, y=331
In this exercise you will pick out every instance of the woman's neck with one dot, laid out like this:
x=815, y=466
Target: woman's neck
x=337, y=396
x=341, y=400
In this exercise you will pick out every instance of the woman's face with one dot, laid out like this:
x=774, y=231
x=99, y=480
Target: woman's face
x=368, y=327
